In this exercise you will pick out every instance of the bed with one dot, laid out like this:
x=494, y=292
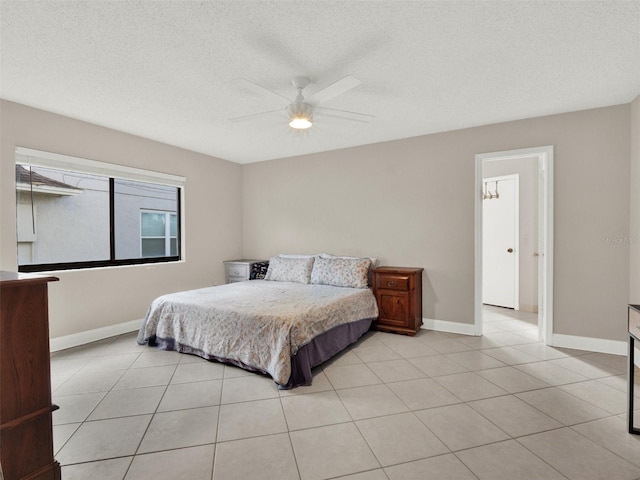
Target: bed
x=305, y=311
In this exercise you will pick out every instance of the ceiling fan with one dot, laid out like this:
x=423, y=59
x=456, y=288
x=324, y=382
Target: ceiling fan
x=300, y=110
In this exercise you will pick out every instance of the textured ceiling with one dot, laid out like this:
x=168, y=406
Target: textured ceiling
x=165, y=70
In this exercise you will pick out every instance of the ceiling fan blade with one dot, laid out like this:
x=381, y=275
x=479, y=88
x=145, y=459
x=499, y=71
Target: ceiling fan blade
x=254, y=116
x=333, y=90
x=344, y=114
x=259, y=89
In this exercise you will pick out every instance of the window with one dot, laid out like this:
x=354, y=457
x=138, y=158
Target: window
x=76, y=213
x=158, y=234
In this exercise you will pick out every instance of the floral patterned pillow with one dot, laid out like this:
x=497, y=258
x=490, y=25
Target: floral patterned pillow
x=289, y=269
x=258, y=270
x=341, y=272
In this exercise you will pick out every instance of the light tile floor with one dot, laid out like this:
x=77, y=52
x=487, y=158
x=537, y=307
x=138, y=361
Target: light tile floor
x=434, y=406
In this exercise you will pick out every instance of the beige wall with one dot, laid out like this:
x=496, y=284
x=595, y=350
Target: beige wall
x=411, y=202
x=634, y=231
x=89, y=299
x=527, y=171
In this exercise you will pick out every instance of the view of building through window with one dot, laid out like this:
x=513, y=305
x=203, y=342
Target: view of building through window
x=64, y=217
x=158, y=234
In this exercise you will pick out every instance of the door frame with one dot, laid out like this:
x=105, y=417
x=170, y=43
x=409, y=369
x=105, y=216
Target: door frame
x=544, y=155
x=516, y=233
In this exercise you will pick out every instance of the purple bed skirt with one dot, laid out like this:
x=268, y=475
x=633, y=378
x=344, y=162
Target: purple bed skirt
x=317, y=351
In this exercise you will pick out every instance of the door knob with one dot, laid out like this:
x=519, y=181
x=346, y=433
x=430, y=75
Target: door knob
x=510, y=250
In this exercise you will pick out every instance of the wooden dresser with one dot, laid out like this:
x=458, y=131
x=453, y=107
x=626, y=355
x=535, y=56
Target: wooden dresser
x=26, y=435
x=398, y=291
x=633, y=320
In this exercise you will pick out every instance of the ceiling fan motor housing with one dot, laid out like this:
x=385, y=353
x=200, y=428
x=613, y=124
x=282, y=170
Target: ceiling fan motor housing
x=301, y=111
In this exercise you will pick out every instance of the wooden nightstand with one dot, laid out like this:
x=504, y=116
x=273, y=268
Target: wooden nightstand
x=398, y=291
x=238, y=270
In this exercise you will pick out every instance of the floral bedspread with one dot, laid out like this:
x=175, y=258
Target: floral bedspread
x=258, y=323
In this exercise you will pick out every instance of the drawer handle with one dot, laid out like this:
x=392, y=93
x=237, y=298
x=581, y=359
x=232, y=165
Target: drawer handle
x=391, y=284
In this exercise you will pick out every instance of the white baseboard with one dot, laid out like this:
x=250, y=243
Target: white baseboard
x=76, y=339
x=614, y=347
x=600, y=345
x=449, y=327
x=525, y=307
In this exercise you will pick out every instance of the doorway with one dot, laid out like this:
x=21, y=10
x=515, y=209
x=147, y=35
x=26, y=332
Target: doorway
x=542, y=159
x=500, y=241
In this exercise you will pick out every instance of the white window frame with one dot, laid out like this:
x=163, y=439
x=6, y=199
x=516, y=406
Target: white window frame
x=167, y=230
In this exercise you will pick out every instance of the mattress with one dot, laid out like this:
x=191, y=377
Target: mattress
x=260, y=325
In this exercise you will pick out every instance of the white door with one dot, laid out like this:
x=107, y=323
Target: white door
x=500, y=241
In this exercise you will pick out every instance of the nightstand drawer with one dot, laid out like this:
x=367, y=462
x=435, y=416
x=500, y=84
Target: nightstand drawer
x=392, y=282
x=634, y=322
x=236, y=279
x=234, y=270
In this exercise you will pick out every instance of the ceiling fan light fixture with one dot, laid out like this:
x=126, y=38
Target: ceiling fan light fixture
x=300, y=116
x=300, y=123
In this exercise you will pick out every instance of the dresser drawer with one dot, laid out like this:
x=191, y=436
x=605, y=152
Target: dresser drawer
x=634, y=322
x=386, y=281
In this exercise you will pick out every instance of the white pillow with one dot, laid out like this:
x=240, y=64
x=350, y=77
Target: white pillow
x=290, y=269
x=374, y=260
x=341, y=272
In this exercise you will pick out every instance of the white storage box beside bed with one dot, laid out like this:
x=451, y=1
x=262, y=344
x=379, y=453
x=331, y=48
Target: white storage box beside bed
x=307, y=309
